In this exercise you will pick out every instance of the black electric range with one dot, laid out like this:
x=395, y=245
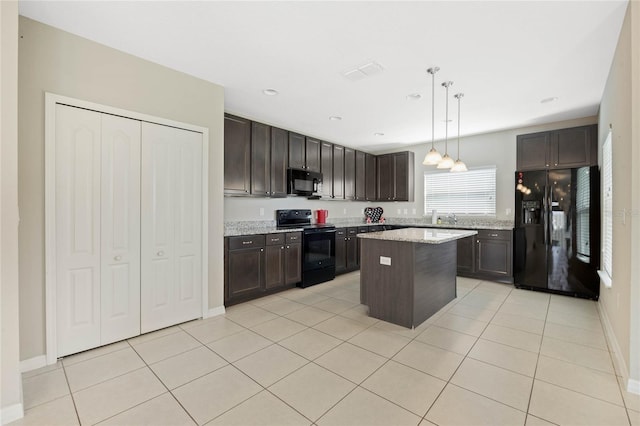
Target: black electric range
x=318, y=245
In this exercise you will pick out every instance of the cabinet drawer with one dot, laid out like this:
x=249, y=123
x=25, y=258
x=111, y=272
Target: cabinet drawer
x=490, y=234
x=294, y=237
x=341, y=232
x=363, y=229
x=352, y=231
x=274, y=239
x=246, y=241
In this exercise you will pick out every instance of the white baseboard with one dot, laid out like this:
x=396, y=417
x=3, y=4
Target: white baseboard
x=214, y=312
x=618, y=360
x=11, y=413
x=633, y=386
x=33, y=363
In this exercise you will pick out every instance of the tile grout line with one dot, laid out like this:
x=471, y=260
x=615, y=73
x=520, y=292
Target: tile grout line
x=73, y=400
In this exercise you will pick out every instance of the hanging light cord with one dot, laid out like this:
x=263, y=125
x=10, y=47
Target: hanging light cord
x=446, y=85
x=459, y=96
x=433, y=72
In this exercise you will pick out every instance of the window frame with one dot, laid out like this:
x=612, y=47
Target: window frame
x=607, y=190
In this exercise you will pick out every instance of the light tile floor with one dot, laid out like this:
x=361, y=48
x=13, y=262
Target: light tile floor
x=495, y=356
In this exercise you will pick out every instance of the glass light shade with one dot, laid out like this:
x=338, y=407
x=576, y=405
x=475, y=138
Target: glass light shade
x=458, y=166
x=446, y=162
x=432, y=158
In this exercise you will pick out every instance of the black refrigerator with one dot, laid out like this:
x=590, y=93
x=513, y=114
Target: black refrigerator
x=557, y=231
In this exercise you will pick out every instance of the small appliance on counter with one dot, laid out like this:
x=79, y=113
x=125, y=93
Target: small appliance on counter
x=318, y=245
x=321, y=216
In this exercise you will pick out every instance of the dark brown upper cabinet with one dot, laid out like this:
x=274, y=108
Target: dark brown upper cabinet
x=396, y=176
x=338, y=171
x=279, y=157
x=237, y=155
x=349, y=174
x=558, y=149
x=312, y=154
x=260, y=159
x=361, y=176
x=297, y=151
x=304, y=152
x=326, y=168
x=370, y=177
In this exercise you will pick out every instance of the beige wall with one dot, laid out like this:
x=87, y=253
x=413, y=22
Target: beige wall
x=617, y=109
x=11, y=383
x=55, y=61
x=490, y=149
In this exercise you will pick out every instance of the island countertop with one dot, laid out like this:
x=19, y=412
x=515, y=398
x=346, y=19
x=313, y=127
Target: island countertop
x=419, y=235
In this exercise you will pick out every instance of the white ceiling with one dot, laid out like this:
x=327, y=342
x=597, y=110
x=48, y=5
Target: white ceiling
x=506, y=56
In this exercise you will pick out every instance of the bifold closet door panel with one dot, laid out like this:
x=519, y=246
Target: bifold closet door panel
x=120, y=228
x=77, y=228
x=171, y=227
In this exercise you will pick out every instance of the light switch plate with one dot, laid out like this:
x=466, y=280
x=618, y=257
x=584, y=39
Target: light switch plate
x=384, y=260
x=261, y=211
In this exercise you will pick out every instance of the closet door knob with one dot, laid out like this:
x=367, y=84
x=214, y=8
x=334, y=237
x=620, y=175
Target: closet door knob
x=160, y=253
x=117, y=258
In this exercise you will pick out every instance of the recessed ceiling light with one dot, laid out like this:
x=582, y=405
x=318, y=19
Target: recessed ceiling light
x=378, y=134
x=548, y=100
x=335, y=118
x=414, y=97
x=270, y=92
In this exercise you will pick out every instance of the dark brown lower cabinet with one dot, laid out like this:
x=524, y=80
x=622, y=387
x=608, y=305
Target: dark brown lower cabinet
x=257, y=265
x=341, y=250
x=487, y=255
x=353, y=252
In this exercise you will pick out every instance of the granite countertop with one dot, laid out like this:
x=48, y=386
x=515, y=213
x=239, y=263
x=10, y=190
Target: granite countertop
x=463, y=224
x=236, y=229
x=420, y=235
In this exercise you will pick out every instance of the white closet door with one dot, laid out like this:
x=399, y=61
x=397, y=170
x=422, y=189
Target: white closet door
x=120, y=229
x=77, y=211
x=171, y=285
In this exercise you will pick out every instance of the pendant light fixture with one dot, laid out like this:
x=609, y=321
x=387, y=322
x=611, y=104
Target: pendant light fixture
x=433, y=157
x=459, y=166
x=446, y=162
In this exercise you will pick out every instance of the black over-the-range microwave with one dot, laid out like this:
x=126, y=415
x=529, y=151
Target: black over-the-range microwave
x=303, y=182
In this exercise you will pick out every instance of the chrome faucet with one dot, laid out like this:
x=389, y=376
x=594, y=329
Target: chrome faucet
x=452, y=219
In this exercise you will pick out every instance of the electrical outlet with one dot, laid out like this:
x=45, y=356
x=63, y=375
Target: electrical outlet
x=507, y=212
x=406, y=211
x=384, y=260
x=344, y=211
x=261, y=211
x=413, y=211
x=399, y=211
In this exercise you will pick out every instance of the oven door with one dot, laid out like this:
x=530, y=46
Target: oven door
x=319, y=249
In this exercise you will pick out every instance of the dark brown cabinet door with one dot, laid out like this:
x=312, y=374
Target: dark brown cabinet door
x=296, y=151
x=349, y=174
x=353, y=256
x=274, y=266
x=493, y=253
x=341, y=250
x=246, y=272
x=361, y=176
x=279, y=154
x=466, y=255
x=370, y=173
x=338, y=171
x=404, y=176
x=386, y=177
x=293, y=264
x=573, y=147
x=312, y=154
x=237, y=155
x=533, y=151
x=260, y=159
x=326, y=168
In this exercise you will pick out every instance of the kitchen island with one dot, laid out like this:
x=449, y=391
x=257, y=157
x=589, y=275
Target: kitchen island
x=407, y=275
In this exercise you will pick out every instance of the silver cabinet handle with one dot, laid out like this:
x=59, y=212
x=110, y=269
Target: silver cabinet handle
x=287, y=246
x=160, y=253
x=261, y=249
x=493, y=235
x=282, y=248
x=247, y=242
x=117, y=258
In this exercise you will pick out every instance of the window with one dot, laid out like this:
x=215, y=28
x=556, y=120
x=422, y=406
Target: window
x=471, y=193
x=607, y=213
x=583, y=203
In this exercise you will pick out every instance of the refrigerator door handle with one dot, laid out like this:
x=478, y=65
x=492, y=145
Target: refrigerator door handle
x=546, y=215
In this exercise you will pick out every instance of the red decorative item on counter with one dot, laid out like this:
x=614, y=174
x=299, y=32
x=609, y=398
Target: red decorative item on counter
x=321, y=216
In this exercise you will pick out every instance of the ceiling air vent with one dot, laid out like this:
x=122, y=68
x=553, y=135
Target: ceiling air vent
x=363, y=71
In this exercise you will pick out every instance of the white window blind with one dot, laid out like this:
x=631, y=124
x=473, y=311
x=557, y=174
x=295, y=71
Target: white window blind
x=607, y=210
x=583, y=203
x=472, y=192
